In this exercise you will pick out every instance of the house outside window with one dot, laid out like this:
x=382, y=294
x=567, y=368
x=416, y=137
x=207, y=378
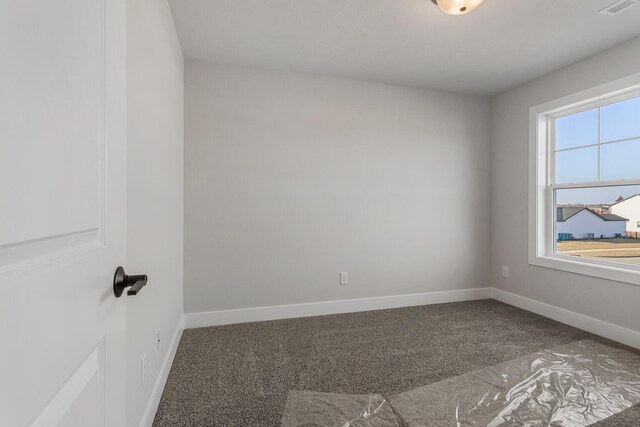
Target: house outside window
x=585, y=182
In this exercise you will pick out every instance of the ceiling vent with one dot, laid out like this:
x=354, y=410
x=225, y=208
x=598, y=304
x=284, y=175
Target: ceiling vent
x=618, y=7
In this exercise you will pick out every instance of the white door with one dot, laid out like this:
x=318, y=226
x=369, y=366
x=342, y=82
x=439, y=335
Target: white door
x=62, y=212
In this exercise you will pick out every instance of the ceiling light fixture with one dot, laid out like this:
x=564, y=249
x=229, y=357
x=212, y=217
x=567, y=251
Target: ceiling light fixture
x=457, y=7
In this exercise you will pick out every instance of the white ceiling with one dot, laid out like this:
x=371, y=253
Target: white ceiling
x=408, y=42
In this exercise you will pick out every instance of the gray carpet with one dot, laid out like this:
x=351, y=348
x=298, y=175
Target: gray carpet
x=239, y=375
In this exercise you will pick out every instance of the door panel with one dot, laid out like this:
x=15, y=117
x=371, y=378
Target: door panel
x=79, y=401
x=54, y=77
x=62, y=212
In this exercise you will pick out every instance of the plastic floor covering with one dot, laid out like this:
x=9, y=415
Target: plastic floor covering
x=573, y=385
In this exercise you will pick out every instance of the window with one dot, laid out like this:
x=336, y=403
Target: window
x=585, y=183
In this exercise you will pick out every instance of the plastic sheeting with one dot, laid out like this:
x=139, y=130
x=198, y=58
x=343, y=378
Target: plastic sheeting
x=574, y=385
x=307, y=408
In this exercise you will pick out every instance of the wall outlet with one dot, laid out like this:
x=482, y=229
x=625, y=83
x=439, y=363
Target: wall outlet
x=158, y=340
x=505, y=271
x=143, y=368
x=344, y=278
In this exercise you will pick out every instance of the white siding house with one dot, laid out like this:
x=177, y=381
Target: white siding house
x=584, y=223
x=630, y=209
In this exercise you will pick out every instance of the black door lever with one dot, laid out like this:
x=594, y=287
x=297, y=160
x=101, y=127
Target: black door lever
x=121, y=281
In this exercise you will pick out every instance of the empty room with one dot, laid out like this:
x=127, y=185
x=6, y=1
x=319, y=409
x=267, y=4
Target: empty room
x=341, y=213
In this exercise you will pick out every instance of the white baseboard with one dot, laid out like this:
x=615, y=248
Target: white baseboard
x=158, y=388
x=580, y=321
x=257, y=314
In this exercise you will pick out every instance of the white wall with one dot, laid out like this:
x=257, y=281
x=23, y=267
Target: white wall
x=613, y=302
x=154, y=193
x=585, y=222
x=291, y=178
x=629, y=209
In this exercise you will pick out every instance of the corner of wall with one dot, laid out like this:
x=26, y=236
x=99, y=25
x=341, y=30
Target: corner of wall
x=163, y=375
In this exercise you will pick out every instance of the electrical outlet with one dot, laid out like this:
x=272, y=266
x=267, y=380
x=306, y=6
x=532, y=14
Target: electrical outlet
x=344, y=278
x=143, y=368
x=505, y=271
x=158, y=340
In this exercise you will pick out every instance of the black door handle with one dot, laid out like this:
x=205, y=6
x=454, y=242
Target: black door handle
x=121, y=281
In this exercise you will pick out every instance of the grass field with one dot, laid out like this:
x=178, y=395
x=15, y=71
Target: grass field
x=605, y=248
x=608, y=254
x=598, y=244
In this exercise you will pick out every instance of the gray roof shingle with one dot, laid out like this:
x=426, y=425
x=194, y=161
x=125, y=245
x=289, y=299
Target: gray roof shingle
x=566, y=212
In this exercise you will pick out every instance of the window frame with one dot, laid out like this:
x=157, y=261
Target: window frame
x=542, y=242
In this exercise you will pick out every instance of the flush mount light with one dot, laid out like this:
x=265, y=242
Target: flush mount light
x=457, y=7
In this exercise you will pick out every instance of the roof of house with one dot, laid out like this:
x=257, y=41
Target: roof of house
x=564, y=213
x=612, y=217
x=622, y=199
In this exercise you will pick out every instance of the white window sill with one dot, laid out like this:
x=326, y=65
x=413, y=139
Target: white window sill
x=594, y=268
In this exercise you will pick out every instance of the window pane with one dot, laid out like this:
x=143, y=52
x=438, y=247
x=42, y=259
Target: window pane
x=577, y=130
x=621, y=120
x=599, y=223
x=579, y=165
x=620, y=160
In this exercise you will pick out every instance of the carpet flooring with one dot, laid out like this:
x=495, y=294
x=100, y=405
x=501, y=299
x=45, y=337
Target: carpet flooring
x=239, y=375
